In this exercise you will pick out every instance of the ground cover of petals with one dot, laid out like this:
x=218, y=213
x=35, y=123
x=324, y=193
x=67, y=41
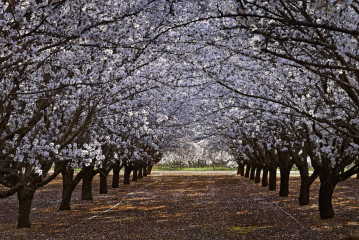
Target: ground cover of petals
x=185, y=205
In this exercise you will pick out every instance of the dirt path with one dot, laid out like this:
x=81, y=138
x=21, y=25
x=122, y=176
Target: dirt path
x=167, y=205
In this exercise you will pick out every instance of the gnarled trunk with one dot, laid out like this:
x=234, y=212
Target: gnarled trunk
x=86, y=193
x=265, y=177
x=327, y=185
x=24, y=196
x=116, y=175
x=258, y=175
x=284, y=180
x=272, y=178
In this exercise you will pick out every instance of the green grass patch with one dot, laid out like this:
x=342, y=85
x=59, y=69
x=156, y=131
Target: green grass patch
x=169, y=168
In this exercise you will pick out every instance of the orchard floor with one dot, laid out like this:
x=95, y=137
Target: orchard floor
x=185, y=205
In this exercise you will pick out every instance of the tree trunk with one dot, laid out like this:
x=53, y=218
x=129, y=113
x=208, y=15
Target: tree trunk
x=87, y=184
x=326, y=190
x=357, y=176
x=149, y=169
x=67, y=189
x=258, y=175
x=126, y=176
x=241, y=169
x=144, y=171
x=272, y=179
x=248, y=169
x=134, y=175
x=252, y=174
x=24, y=196
x=139, y=175
x=284, y=181
x=304, y=191
x=305, y=183
x=116, y=175
x=265, y=177
x=103, y=182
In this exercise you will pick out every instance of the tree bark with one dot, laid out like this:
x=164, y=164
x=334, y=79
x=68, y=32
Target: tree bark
x=242, y=169
x=68, y=186
x=284, y=181
x=305, y=183
x=304, y=192
x=149, y=169
x=326, y=190
x=103, y=182
x=116, y=175
x=252, y=174
x=248, y=169
x=87, y=184
x=139, y=175
x=272, y=179
x=265, y=177
x=134, y=175
x=144, y=171
x=126, y=176
x=24, y=196
x=67, y=189
x=258, y=175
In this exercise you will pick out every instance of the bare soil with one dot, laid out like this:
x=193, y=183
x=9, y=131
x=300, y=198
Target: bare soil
x=177, y=205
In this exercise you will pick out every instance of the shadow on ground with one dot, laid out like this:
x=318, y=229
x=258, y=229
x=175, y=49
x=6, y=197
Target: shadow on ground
x=175, y=205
